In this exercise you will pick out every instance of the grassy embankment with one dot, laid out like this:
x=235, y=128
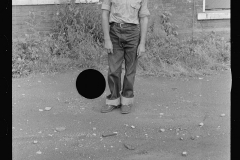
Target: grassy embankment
x=76, y=41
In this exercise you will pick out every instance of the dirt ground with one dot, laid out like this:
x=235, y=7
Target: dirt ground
x=170, y=117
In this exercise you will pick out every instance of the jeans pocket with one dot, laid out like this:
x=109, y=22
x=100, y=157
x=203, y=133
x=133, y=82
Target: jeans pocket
x=135, y=28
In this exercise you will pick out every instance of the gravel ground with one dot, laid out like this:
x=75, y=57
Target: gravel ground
x=172, y=119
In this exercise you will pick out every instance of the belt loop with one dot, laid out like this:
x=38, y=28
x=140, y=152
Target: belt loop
x=120, y=24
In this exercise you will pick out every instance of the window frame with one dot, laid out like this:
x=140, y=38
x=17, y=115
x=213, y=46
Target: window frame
x=214, y=14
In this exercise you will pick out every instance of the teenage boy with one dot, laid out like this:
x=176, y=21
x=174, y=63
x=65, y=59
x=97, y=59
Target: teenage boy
x=124, y=24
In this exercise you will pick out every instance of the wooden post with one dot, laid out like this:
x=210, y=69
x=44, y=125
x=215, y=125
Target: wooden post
x=204, y=5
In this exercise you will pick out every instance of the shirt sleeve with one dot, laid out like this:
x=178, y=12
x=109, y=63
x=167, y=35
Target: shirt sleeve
x=106, y=4
x=144, y=9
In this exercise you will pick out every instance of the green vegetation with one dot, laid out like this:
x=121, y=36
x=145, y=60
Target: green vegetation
x=76, y=41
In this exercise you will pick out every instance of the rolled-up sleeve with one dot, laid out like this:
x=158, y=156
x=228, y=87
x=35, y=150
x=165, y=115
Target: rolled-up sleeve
x=144, y=9
x=106, y=5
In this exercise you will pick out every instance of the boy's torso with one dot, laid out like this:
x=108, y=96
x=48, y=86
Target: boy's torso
x=125, y=11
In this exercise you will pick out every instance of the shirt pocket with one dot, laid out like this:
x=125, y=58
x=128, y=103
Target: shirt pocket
x=134, y=9
x=135, y=5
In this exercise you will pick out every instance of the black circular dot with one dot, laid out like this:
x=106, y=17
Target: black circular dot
x=90, y=84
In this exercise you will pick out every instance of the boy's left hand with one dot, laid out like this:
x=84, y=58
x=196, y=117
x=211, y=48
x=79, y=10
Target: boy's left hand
x=141, y=50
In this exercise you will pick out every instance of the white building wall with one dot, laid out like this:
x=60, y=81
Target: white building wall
x=43, y=2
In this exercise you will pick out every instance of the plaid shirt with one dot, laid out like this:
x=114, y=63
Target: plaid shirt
x=126, y=11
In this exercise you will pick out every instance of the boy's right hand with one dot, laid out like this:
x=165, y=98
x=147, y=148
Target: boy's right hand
x=108, y=45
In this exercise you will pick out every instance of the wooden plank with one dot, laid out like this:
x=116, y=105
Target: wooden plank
x=205, y=30
x=44, y=2
x=25, y=10
x=204, y=5
x=213, y=15
x=24, y=24
x=23, y=20
x=215, y=23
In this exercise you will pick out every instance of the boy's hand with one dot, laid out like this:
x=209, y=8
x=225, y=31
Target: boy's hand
x=141, y=50
x=108, y=45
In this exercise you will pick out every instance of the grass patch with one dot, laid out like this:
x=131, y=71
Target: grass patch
x=170, y=56
x=76, y=41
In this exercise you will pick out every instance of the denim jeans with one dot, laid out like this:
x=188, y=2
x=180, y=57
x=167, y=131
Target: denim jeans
x=125, y=40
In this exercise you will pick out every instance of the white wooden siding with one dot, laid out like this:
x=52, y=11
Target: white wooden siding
x=43, y=2
x=214, y=15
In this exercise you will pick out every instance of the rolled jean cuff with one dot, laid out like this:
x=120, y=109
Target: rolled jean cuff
x=126, y=101
x=114, y=102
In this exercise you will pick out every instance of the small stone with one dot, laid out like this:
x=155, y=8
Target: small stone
x=109, y=134
x=133, y=127
x=184, y=153
x=39, y=152
x=197, y=136
x=48, y=108
x=129, y=146
x=201, y=124
x=35, y=141
x=222, y=115
x=200, y=78
x=192, y=138
x=19, y=86
x=40, y=110
x=181, y=138
x=59, y=129
x=161, y=114
x=162, y=130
